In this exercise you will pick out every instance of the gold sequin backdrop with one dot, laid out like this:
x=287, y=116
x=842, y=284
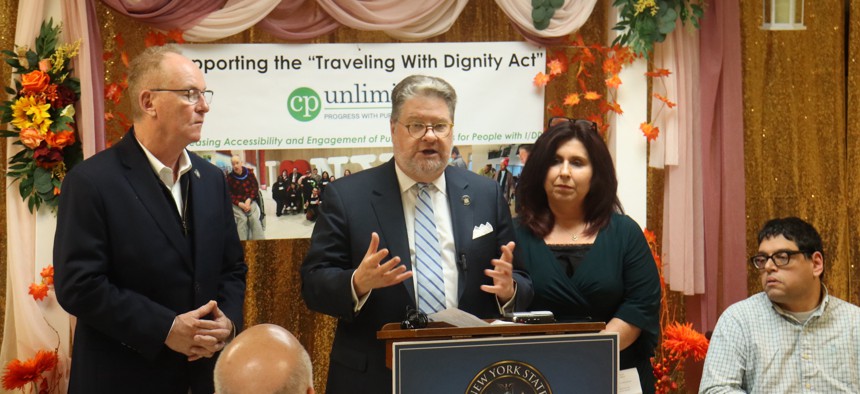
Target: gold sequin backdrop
x=802, y=131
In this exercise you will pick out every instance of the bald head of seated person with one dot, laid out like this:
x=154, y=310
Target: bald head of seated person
x=264, y=359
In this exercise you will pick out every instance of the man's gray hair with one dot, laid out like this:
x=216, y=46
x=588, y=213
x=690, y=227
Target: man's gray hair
x=143, y=69
x=422, y=85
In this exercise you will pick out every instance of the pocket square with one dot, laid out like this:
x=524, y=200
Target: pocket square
x=482, y=230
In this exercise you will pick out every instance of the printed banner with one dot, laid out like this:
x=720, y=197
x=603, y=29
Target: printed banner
x=311, y=96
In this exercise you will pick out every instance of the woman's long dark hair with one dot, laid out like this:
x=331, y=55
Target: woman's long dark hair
x=602, y=199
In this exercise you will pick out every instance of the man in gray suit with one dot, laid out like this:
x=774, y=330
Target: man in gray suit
x=371, y=255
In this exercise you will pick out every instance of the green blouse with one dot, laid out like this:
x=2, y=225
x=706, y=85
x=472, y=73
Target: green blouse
x=617, y=278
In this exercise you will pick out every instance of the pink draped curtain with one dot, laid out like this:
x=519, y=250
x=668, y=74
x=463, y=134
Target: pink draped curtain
x=298, y=20
x=721, y=95
x=166, y=14
x=207, y=20
x=678, y=148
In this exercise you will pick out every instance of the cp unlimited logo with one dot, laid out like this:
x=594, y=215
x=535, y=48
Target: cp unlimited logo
x=304, y=104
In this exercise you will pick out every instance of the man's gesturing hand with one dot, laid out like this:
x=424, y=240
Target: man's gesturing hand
x=370, y=274
x=502, y=274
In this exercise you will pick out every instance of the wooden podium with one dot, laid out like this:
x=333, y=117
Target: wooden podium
x=392, y=332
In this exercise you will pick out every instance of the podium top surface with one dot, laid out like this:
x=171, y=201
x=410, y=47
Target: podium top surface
x=392, y=331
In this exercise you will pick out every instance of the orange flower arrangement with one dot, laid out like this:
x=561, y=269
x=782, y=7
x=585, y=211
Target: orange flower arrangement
x=41, y=370
x=41, y=113
x=679, y=341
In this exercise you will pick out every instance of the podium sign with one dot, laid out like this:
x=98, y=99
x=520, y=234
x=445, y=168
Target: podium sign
x=542, y=364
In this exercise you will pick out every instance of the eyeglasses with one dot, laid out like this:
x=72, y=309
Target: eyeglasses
x=780, y=259
x=192, y=96
x=418, y=130
x=557, y=120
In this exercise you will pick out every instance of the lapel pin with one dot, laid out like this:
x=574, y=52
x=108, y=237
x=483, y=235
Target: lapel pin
x=196, y=173
x=466, y=200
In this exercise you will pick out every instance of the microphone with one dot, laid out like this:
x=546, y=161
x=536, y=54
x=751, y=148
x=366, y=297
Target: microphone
x=414, y=319
x=461, y=262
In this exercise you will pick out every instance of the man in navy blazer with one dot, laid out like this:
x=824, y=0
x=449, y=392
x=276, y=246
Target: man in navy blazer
x=146, y=252
x=362, y=255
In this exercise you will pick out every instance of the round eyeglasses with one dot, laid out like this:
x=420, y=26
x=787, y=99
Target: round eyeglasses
x=780, y=259
x=192, y=96
x=418, y=130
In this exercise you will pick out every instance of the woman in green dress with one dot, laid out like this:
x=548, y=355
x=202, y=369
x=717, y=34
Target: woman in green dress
x=588, y=261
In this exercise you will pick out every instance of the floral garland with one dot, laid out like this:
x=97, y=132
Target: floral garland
x=582, y=63
x=41, y=114
x=645, y=22
x=679, y=341
x=41, y=370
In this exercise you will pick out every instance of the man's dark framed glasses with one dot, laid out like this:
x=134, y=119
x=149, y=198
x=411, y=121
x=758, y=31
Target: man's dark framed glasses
x=780, y=258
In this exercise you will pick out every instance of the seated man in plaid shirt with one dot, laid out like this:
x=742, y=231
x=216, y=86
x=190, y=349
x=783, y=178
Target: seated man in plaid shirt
x=792, y=337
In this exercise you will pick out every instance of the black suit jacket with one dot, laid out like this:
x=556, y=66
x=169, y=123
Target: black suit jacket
x=368, y=201
x=124, y=268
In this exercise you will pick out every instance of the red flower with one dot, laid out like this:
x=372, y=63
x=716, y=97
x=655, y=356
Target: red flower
x=154, y=39
x=113, y=92
x=541, y=79
x=658, y=73
x=176, y=36
x=39, y=291
x=649, y=131
x=46, y=156
x=61, y=139
x=64, y=97
x=683, y=341
x=18, y=374
x=47, y=275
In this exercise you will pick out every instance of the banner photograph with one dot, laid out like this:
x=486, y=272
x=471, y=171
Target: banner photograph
x=290, y=118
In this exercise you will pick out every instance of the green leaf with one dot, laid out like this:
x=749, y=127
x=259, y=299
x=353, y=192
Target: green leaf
x=665, y=28
x=556, y=4
x=46, y=42
x=538, y=3
x=33, y=204
x=539, y=14
x=668, y=15
x=11, y=91
x=25, y=187
x=698, y=11
x=42, y=180
x=32, y=58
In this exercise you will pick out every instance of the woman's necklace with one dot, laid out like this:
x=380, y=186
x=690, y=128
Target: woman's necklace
x=575, y=236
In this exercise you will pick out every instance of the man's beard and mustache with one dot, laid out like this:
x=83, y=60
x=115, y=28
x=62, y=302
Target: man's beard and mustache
x=426, y=166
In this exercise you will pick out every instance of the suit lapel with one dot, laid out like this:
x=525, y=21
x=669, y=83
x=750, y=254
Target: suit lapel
x=459, y=203
x=388, y=208
x=149, y=191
